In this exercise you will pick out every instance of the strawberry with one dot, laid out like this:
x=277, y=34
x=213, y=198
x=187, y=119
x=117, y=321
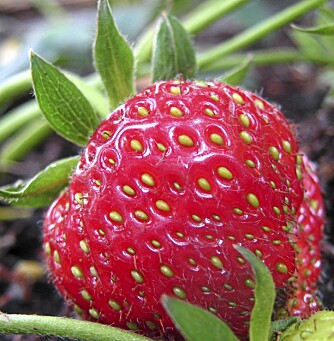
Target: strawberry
x=307, y=236
x=167, y=184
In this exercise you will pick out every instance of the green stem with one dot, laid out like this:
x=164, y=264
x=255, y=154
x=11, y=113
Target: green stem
x=257, y=32
x=13, y=120
x=18, y=117
x=14, y=213
x=29, y=114
x=24, y=141
x=21, y=83
x=196, y=21
x=50, y=9
x=266, y=57
x=208, y=13
x=15, y=86
x=64, y=328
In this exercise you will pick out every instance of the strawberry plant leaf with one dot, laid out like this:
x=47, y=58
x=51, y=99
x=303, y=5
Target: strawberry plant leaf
x=93, y=95
x=62, y=103
x=113, y=57
x=316, y=42
x=260, y=326
x=43, y=188
x=313, y=47
x=282, y=325
x=196, y=324
x=327, y=14
x=318, y=327
x=173, y=53
x=320, y=30
x=236, y=75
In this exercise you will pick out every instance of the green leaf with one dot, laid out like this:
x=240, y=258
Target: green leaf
x=326, y=14
x=318, y=327
x=196, y=324
x=43, y=188
x=201, y=16
x=62, y=103
x=173, y=52
x=237, y=75
x=260, y=324
x=113, y=57
x=327, y=30
x=95, y=97
x=314, y=47
x=283, y=324
x=317, y=42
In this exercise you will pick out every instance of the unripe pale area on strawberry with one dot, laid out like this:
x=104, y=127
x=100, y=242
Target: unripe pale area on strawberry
x=188, y=189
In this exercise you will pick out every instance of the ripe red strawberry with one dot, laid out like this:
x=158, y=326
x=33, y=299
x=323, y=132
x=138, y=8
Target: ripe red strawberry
x=307, y=235
x=165, y=187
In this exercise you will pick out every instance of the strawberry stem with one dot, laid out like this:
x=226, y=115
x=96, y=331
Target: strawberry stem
x=17, y=118
x=29, y=113
x=64, y=328
x=14, y=213
x=196, y=21
x=208, y=13
x=24, y=141
x=256, y=32
x=267, y=57
x=15, y=86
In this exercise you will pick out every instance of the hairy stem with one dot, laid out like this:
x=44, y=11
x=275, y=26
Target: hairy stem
x=63, y=327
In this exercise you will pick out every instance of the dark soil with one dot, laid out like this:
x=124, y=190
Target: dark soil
x=300, y=95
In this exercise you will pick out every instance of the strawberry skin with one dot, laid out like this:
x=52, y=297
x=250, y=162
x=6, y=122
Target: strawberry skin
x=165, y=187
x=307, y=237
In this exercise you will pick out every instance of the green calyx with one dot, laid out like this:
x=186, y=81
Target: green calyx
x=319, y=327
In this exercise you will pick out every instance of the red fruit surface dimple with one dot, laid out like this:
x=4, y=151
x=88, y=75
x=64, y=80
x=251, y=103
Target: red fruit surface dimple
x=166, y=186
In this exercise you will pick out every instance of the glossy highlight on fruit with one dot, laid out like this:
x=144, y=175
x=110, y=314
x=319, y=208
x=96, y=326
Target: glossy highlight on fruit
x=167, y=184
